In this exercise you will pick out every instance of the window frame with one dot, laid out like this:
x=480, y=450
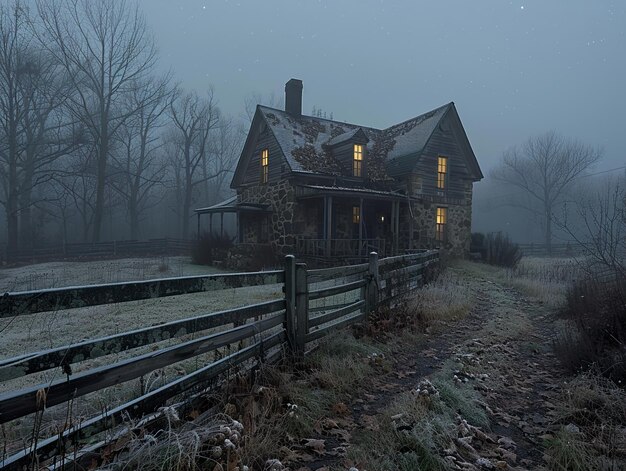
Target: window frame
x=441, y=222
x=357, y=160
x=356, y=215
x=442, y=172
x=265, y=166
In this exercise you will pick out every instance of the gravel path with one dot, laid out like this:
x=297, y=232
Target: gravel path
x=506, y=337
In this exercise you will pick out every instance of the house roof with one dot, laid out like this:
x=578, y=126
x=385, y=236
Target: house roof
x=316, y=190
x=230, y=205
x=306, y=142
x=346, y=136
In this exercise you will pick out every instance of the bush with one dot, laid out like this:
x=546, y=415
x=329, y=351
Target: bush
x=477, y=244
x=501, y=251
x=596, y=336
x=210, y=247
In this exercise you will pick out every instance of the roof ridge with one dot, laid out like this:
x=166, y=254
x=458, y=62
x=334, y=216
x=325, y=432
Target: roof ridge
x=333, y=121
x=433, y=111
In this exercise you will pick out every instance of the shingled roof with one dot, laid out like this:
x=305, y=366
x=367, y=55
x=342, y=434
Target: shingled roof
x=305, y=140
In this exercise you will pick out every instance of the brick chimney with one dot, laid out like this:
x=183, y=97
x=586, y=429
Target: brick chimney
x=293, y=97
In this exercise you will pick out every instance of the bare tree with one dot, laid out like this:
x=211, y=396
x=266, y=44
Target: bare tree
x=193, y=120
x=598, y=224
x=226, y=145
x=107, y=51
x=139, y=164
x=544, y=168
x=253, y=99
x=34, y=128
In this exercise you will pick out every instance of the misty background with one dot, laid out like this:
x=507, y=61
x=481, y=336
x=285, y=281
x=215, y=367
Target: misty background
x=514, y=69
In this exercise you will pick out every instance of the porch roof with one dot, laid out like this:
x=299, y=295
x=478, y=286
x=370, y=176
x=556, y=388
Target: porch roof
x=315, y=191
x=230, y=205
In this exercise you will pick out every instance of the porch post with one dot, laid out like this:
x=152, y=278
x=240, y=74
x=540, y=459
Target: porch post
x=222, y=224
x=329, y=223
x=396, y=226
x=360, y=224
x=324, y=218
x=210, y=224
x=198, y=234
x=396, y=230
x=237, y=235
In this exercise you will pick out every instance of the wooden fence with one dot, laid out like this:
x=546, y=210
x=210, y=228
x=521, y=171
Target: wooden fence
x=567, y=249
x=115, y=248
x=258, y=333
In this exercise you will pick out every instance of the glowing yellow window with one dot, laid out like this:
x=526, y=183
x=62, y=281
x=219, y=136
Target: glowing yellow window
x=442, y=171
x=265, y=165
x=442, y=219
x=357, y=162
x=356, y=214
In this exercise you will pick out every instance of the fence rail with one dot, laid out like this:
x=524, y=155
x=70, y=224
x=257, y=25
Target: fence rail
x=567, y=249
x=286, y=324
x=116, y=248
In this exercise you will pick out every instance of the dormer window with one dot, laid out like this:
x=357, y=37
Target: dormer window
x=357, y=161
x=442, y=172
x=265, y=165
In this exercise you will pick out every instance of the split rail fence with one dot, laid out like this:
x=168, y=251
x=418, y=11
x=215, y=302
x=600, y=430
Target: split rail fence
x=114, y=248
x=249, y=335
x=567, y=249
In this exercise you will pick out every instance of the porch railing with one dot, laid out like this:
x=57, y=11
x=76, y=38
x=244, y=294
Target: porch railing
x=340, y=247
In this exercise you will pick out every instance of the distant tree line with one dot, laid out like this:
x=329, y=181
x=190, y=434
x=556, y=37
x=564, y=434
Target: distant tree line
x=93, y=139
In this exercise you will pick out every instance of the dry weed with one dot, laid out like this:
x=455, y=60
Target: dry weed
x=447, y=298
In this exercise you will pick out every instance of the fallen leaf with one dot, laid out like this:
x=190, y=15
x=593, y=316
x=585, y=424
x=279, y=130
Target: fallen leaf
x=315, y=444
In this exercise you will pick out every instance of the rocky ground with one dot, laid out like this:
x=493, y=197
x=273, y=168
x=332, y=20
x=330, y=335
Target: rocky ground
x=499, y=356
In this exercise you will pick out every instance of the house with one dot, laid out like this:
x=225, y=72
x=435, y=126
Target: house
x=329, y=190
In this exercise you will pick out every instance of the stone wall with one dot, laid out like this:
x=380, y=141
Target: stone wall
x=423, y=230
x=289, y=219
x=280, y=197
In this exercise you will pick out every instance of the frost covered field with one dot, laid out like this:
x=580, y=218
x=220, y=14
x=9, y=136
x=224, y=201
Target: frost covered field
x=51, y=329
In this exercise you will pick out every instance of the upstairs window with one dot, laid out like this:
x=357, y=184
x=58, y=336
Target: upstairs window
x=442, y=172
x=442, y=220
x=356, y=214
x=357, y=161
x=265, y=165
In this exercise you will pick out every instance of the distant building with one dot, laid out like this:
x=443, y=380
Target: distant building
x=328, y=190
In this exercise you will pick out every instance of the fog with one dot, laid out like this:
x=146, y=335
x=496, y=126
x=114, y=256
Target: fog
x=514, y=69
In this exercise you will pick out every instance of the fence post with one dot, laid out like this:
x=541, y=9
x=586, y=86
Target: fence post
x=302, y=308
x=290, y=300
x=370, y=292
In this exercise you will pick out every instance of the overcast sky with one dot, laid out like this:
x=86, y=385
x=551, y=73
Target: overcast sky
x=513, y=68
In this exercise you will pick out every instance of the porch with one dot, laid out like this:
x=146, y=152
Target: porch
x=346, y=224
x=341, y=248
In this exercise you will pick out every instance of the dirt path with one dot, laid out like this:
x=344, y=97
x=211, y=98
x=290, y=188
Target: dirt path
x=503, y=350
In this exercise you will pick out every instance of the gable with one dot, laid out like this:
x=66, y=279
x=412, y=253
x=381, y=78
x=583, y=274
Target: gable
x=260, y=137
x=446, y=136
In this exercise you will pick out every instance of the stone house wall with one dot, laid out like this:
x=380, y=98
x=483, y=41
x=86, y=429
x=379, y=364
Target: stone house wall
x=458, y=228
x=290, y=219
x=280, y=197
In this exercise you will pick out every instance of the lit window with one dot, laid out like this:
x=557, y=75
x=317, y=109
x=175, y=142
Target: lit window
x=356, y=214
x=265, y=165
x=442, y=171
x=442, y=219
x=357, y=162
